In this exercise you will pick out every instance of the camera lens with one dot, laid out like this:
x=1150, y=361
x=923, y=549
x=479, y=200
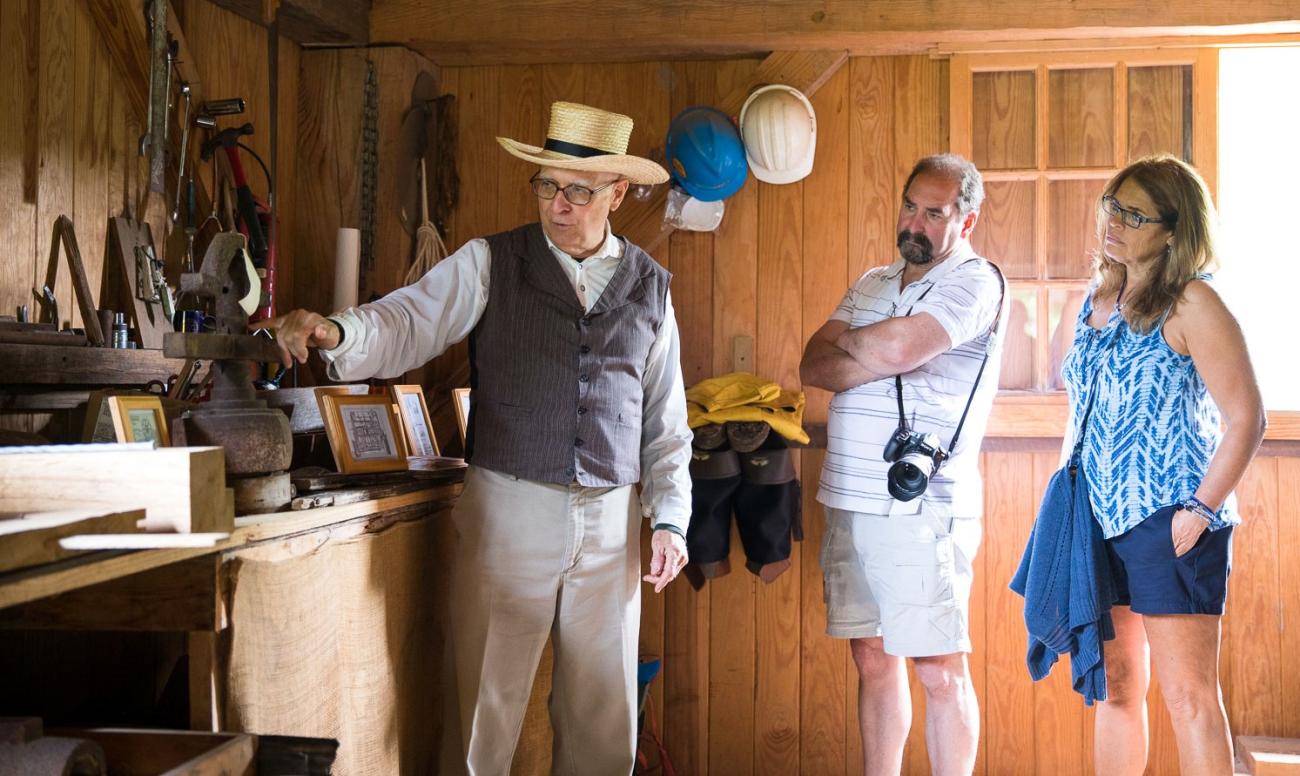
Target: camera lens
x=909, y=477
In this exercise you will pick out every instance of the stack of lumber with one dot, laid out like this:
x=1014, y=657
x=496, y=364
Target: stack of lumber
x=60, y=500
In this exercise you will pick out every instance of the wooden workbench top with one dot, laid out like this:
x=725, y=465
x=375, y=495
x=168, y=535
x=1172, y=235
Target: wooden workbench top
x=50, y=579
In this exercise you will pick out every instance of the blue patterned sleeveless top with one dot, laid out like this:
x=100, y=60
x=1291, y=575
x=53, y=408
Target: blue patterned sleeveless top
x=1153, y=428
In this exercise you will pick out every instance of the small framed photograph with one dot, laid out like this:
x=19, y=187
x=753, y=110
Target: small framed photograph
x=138, y=419
x=363, y=433
x=460, y=400
x=416, y=425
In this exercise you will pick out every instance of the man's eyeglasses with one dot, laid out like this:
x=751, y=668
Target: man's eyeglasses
x=1130, y=218
x=575, y=194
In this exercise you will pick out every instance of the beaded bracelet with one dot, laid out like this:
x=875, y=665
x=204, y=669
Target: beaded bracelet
x=1199, y=508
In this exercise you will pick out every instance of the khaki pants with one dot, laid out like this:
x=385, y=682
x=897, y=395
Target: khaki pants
x=534, y=560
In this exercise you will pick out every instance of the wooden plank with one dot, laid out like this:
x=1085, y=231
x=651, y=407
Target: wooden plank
x=1002, y=128
x=521, y=115
x=981, y=588
x=93, y=135
x=396, y=70
x=1009, y=508
x=920, y=115
x=1253, y=697
x=872, y=197
x=286, y=174
x=177, y=597
x=51, y=365
x=19, y=45
x=1288, y=546
x=329, y=154
x=690, y=255
x=54, y=186
x=180, y=488
x=172, y=752
x=32, y=584
x=826, y=218
x=1155, y=110
x=1058, y=710
x=1270, y=756
x=1005, y=232
x=778, y=345
x=33, y=538
x=314, y=22
x=1081, y=117
x=202, y=650
x=461, y=31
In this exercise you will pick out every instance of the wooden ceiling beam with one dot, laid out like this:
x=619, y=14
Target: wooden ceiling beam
x=309, y=22
x=458, y=32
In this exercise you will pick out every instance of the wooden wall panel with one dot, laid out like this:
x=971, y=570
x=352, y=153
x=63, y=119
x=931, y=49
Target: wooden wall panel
x=1008, y=699
x=751, y=684
x=55, y=125
x=18, y=47
x=329, y=145
x=1002, y=120
x=1155, y=109
x=1081, y=109
x=824, y=691
x=1005, y=233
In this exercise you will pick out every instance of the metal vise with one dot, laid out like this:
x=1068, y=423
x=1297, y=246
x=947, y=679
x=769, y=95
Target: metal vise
x=257, y=439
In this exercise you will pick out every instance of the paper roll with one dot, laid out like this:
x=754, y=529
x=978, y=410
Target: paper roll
x=347, y=262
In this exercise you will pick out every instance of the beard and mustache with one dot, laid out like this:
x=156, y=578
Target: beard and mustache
x=915, y=248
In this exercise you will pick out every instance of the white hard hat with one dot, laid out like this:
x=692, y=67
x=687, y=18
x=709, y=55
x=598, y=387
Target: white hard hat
x=779, y=128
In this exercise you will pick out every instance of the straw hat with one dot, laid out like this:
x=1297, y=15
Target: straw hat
x=590, y=140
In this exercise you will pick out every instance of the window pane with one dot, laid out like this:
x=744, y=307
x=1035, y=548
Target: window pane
x=1072, y=235
x=1160, y=111
x=1002, y=120
x=1022, y=339
x=1063, y=306
x=1005, y=231
x=1081, y=118
x=1258, y=168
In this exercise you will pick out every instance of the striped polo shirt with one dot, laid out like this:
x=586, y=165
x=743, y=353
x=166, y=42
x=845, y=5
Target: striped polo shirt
x=963, y=294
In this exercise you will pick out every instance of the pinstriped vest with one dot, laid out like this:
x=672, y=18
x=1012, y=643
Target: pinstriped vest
x=557, y=390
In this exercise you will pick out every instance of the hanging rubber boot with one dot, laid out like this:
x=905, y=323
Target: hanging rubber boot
x=715, y=475
x=769, y=507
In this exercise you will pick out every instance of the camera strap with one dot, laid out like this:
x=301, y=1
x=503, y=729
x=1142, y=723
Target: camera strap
x=992, y=331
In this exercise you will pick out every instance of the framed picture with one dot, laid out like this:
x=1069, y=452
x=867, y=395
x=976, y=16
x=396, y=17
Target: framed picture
x=416, y=425
x=362, y=432
x=138, y=419
x=460, y=400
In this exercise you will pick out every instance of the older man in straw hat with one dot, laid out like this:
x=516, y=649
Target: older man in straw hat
x=577, y=395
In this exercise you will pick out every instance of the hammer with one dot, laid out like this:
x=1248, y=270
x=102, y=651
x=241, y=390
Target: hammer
x=228, y=139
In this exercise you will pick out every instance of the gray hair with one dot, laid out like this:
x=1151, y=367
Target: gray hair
x=957, y=169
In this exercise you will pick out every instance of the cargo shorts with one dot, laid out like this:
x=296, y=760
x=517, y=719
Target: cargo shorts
x=906, y=578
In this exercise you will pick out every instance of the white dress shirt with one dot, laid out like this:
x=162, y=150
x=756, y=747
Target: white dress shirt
x=414, y=324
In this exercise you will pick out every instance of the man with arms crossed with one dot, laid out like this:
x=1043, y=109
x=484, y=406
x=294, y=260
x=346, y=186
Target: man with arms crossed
x=897, y=564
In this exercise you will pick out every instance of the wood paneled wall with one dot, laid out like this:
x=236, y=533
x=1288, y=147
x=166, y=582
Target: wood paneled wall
x=751, y=684
x=68, y=135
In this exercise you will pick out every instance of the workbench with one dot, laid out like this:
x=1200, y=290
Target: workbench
x=323, y=622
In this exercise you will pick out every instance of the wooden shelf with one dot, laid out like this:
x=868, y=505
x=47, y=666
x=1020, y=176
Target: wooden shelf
x=62, y=365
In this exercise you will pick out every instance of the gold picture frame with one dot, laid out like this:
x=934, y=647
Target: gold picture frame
x=138, y=419
x=460, y=402
x=362, y=432
x=417, y=426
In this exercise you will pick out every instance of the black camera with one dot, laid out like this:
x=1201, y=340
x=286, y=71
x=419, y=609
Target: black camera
x=916, y=457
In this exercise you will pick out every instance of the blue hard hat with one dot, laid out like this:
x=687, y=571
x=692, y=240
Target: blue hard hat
x=705, y=154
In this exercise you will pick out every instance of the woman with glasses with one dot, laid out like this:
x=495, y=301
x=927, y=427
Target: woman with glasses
x=1175, y=418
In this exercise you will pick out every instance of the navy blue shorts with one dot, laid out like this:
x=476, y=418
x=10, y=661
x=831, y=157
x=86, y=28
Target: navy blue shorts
x=1151, y=580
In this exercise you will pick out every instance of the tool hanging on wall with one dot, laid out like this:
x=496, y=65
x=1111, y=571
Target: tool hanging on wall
x=256, y=218
x=429, y=247
x=64, y=235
